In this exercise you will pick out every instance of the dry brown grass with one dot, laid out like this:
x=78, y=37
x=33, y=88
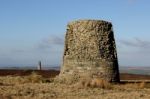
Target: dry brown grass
x=95, y=83
x=32, y=78
x=128, y=85
x=100, y=83
x=133, y=85
x=142, y=84
x=34, y=87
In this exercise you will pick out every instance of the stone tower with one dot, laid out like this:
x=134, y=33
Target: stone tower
x=90, y=49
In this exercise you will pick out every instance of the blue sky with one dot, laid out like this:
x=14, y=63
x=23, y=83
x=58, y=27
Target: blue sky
x=33, y=30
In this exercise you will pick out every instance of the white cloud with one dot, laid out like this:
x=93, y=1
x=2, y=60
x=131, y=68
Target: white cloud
x=50, y=42
x=136, y=43
x=134, y=52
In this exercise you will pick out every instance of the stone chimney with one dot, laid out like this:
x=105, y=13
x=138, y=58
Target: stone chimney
x=39, y=65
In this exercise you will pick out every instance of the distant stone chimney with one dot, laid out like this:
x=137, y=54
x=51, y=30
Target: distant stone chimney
x=90, y=49
x=39, y=65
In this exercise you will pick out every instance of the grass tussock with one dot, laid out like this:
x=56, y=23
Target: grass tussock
x=34, y=78
x=142, y=84
x=101, y=83
x=96, y=83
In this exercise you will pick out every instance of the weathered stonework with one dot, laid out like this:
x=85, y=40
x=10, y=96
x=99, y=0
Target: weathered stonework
x=90, y=50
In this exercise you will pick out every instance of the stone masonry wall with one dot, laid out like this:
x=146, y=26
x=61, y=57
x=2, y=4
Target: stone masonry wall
x=90, y=49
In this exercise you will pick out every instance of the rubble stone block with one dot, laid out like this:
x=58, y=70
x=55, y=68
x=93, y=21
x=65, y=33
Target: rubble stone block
x=90, y=49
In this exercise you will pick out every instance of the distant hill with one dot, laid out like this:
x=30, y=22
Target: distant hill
x=135, y=70
x=123, y=69
x=30, y=67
